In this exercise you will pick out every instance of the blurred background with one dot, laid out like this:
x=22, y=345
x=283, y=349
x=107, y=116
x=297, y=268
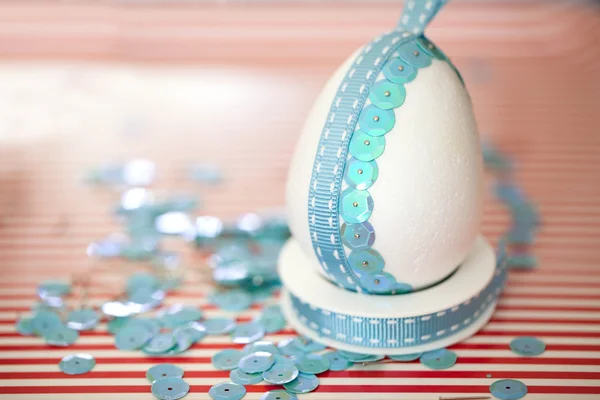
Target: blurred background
x=229, y=83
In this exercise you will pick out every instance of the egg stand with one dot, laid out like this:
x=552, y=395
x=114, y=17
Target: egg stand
x=367, y=312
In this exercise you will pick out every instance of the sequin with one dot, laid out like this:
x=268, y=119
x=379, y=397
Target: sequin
x=414, y=55
x=312, y=364
x=227, y=359
x=361, y=174
x=173, y=223
x=371, y=358
x=366, y=262
x=428, y=47
x=402, y=288
x=76, y=364
x=170, y=388
x=178, y=314
x=132, y=337
x=356, y=206
x=139, y=172
x=399, y=71
x=527, y=346
x=281, y=374
x=387, y=95
x=161, y=371
x=61, y=336
x=354, y=357
x=243, y=378
x=279, y=359
x=376, y=122
x=439, y=359
x=141, y=280
x=258, y=361
x=195, y=330
x=366, y=148
x=278, y=395
x=119, y=309
x=145, y=299
x=304, y=383
x=218, y=326
x=149, y=324
x=53, y=289
x=406, y=357
x=337, y=362
x=247, y=333
x=508, y=389
x=233, y=300
x=289, y=347
x=25, y=327
x=159, y=344
x=83, y=319
x=227, y=391
x=271, y=322
x=308, y=345
x=358, y=236
x=44, y=322
x=262, y=345
x=378, y=283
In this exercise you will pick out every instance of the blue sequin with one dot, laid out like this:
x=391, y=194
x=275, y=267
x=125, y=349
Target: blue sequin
x=304, y=383
x=232, y=300
x=261, y=346
x=227, y=391
x=406, y=357
x=248, y=332
x=428, y=47
x=366, y=262
x=399, y=71
x=337, y=362
x=77, y=364
x=378, y=283
x=358, y=236
x=44, y=322
x=412, y=54
x=159, y=344
x=439, y=359
x=527, y=346
x=61, y=336
x=278, y=395
x=83, y=319
x=361, y=174
x=312, y=363
x=25, y=327
x=163, y=371
x=366, y=148
x=258, y=361
x=218, y=326
x=508, y=389
x=280, y=374
x=356, y=206
x=170, y=388
x=227, y=359
x=132, y=337
x=387, y=95
x=243, y=378
x=376, y=122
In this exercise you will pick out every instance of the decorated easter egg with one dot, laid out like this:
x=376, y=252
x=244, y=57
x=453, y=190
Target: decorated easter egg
x=384, y=193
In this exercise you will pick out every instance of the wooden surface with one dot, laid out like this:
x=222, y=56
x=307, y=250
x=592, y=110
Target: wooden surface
x=231, y=85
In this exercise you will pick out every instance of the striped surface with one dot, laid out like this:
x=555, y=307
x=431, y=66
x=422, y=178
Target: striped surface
x=232, y=85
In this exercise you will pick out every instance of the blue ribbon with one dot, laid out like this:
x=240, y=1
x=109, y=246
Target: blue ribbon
x=401, y=332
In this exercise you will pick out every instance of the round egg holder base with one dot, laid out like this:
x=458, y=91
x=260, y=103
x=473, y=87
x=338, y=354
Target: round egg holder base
x=304, y=282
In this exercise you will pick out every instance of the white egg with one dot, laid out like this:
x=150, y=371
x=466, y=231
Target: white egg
x=428, y=195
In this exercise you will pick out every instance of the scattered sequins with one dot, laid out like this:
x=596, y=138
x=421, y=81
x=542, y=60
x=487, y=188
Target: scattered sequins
x=280, y=374
x=218, y=326
x=337, y=362
x=278, y=395
x=171, y=388
x=227, y=391
x=508, y=389
x=227, y=359
x=163, y=371
x=439, y=359
x=248, y=332
x=259, y=361
x=77, y=364
x=244, y=378
x=304, y=383
x=312, y=364
x=527, y=346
